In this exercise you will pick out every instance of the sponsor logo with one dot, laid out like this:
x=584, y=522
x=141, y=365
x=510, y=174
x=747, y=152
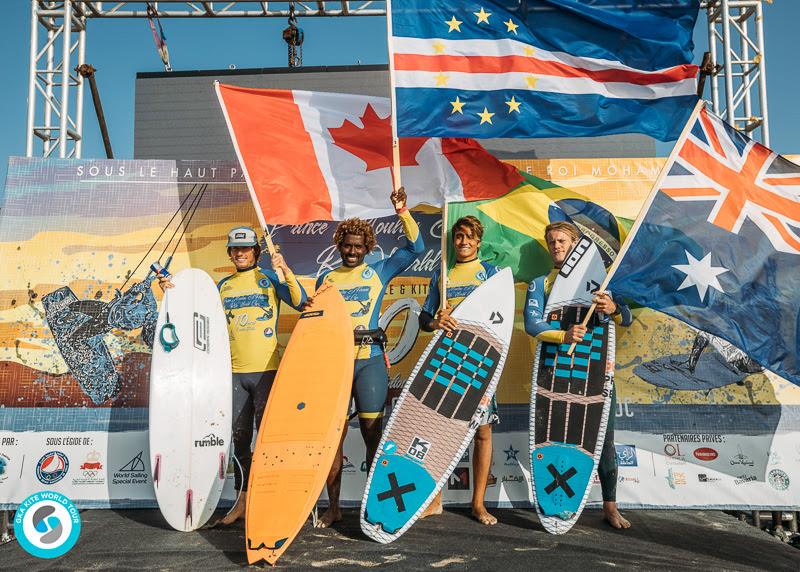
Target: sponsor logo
x=675, y=478
x=674, y=454
x=363, y=466
x=201, y=333
x=314, y=314
x=390, y=447
x=575, y=256
x=491, y=480
x=465, y=456
x=133, y=472
x=91, y=471
x=268, y=333
x=481, y=276
x=47, y=524
x=367, y=273
x=459, y=480
x=742, y=459
x=705, y=454
x=742, y=479
x=778, y=480
x=774, y=458
x=704, y=478
x=8, y=441
x=52, y=467
x=4, y=462
x=513, y=478
x=626, y=456
x=622, y=479
x=209, y=440
x=419, y=448
x=347, y=466
x=511, y=455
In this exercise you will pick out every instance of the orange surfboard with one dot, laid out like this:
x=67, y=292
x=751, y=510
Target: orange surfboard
x=301, y=427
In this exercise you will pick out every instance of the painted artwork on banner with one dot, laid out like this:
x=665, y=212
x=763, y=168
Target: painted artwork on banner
x=697, y=423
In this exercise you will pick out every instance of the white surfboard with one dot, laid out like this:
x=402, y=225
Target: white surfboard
x=190, y=401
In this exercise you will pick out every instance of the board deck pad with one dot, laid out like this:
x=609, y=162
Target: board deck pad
x=438, y=411
x=570, y=396
x=190, y=402
x=301, y=428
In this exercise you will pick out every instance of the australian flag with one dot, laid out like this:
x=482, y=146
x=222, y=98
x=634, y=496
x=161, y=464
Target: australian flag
x=542, y=68
x=719, y=246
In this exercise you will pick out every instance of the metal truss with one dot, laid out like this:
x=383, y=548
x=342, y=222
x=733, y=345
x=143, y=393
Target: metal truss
x=58, y=45
x=736, y=43
x=58, y=41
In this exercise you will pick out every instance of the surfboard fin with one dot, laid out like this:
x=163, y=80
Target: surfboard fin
x=189, y=506
x=157, y=471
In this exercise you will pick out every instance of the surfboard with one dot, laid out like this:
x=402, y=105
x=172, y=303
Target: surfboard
x=439, y=410
x=302, y=426
x=570, y=395
x=190, y=401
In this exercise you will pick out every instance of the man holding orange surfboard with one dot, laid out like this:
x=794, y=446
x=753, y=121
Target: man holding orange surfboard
x=363, y=285
x=251, y=299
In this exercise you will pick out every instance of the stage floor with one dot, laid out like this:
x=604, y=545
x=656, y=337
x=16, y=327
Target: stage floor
x=674, y=540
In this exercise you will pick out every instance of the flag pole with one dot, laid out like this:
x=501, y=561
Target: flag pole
x=395, y=140
x=262, y=221
x=396, y=154
x=643, y=210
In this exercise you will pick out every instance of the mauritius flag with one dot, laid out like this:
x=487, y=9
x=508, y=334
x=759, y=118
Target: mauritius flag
x=514, y=225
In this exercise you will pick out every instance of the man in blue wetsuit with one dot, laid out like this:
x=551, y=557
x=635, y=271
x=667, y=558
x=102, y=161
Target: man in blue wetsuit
x=561, y=237
x=362, y=286
x=468, y=273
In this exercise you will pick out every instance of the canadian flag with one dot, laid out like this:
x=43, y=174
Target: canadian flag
x=328, y=156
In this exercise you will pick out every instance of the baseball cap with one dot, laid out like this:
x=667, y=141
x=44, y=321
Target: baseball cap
x=242, y=236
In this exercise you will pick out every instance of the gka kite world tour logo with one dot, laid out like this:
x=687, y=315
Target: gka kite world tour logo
x=47, y=524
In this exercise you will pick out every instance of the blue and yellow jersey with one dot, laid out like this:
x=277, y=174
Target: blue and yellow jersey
x=536, y=299
x=363, y=287
x=251, y=301
x=462, y=279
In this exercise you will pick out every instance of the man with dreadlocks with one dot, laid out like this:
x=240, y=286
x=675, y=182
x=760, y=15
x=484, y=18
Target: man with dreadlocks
x=362, y=286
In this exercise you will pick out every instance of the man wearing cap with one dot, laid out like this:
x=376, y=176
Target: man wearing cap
x=251, y=299
x=362, y=286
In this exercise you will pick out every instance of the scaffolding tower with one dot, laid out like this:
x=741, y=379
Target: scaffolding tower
x=58, y=46
x=736, y=43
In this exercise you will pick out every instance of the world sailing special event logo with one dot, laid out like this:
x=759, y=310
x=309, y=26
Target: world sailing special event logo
x=47, y=524
x=52, y=467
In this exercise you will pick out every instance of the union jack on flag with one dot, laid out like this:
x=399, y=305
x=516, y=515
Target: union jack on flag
x=718, y=245
x=740, y=180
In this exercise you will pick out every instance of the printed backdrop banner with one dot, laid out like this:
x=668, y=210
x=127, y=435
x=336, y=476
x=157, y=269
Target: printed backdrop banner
x=697, y=426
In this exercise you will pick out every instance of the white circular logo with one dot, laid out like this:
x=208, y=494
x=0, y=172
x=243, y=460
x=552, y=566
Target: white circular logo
x=47, y=524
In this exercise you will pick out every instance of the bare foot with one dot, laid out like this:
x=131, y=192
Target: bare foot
x=434, y=508
x=329, y=517
x=613, y=517
x=237, y=512
x=482, y=515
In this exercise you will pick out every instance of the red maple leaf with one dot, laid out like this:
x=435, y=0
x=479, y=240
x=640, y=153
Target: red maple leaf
x=373, y=142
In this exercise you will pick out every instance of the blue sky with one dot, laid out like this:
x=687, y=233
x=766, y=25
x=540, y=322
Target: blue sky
x=119, y=49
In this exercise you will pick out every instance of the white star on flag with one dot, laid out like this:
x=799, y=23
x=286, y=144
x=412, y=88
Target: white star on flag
x=700, y=274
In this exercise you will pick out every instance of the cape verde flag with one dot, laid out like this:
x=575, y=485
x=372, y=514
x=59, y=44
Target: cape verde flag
x=543, y=68
x=719, y=246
